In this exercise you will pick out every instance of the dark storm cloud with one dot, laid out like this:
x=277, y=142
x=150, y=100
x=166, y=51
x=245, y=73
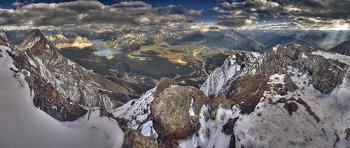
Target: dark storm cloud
x=93, y=13
x=306, y=12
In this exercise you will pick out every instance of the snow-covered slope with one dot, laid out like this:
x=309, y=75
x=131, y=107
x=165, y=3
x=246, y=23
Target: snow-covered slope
x=24, y=125
x=136, y=111
x=304, y=101
x=232, y=67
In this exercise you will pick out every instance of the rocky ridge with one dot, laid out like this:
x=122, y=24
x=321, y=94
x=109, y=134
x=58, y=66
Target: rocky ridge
x=62, y=88
x=342, y=48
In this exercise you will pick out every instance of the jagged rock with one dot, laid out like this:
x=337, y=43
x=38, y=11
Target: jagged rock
x=342, y=48
x=163, y=84
x=243, y=78
x=228, y=128
x=326, y=73
x=136, y=112
x=291, y=107
x=347, y=132
x=176, y=111
x=134, y=139
x=60, y=86
x=222, y=77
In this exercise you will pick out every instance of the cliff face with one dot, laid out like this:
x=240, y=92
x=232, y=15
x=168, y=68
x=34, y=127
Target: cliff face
x=61, y=87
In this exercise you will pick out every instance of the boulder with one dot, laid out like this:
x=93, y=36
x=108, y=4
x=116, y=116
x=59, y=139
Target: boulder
x=176, y=112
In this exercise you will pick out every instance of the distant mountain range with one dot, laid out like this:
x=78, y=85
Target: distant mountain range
x=307, y=38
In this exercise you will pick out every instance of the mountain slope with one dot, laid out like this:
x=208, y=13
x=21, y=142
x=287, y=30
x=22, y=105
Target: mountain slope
x=294, y=97
x=342, y=48
x=61, y=87
x=24, y=125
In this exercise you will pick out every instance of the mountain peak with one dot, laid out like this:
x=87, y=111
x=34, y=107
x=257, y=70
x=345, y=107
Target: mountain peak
x=35, y=32
x=37, y=43
x=342, y=48
x=32, y=39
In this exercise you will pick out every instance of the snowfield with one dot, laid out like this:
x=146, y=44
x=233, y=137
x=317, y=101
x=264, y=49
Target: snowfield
x=23, y=125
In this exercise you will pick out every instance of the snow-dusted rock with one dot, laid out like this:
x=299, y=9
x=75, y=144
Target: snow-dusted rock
x=61, y=87
x=299, y=98
x=233, y=66
x=24, y=125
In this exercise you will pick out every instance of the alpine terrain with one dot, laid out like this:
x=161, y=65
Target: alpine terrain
x=174, y=74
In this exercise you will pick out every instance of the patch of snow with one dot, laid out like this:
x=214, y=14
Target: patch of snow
x=137, y=110
x=191, y=111
x=31, y=62
x=255, y=54
x=233, y=59
x=276, y=79
x=210, y=133
x=304, y=56
x=148, y=130
x=24, y=125
x=335, y=56
x=31, y=44
x=275, y=48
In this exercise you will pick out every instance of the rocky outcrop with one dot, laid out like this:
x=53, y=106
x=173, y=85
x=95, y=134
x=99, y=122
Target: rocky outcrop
x=242, y=74
x=61, y=87
x=342, y=48
x=233, y=66
x=326, y=73
x=176, y=112
x=134, y=139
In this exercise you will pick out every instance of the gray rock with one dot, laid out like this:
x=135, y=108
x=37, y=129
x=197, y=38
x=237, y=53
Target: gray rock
x=134, y=139
x=171, y=110
x=61, y=86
